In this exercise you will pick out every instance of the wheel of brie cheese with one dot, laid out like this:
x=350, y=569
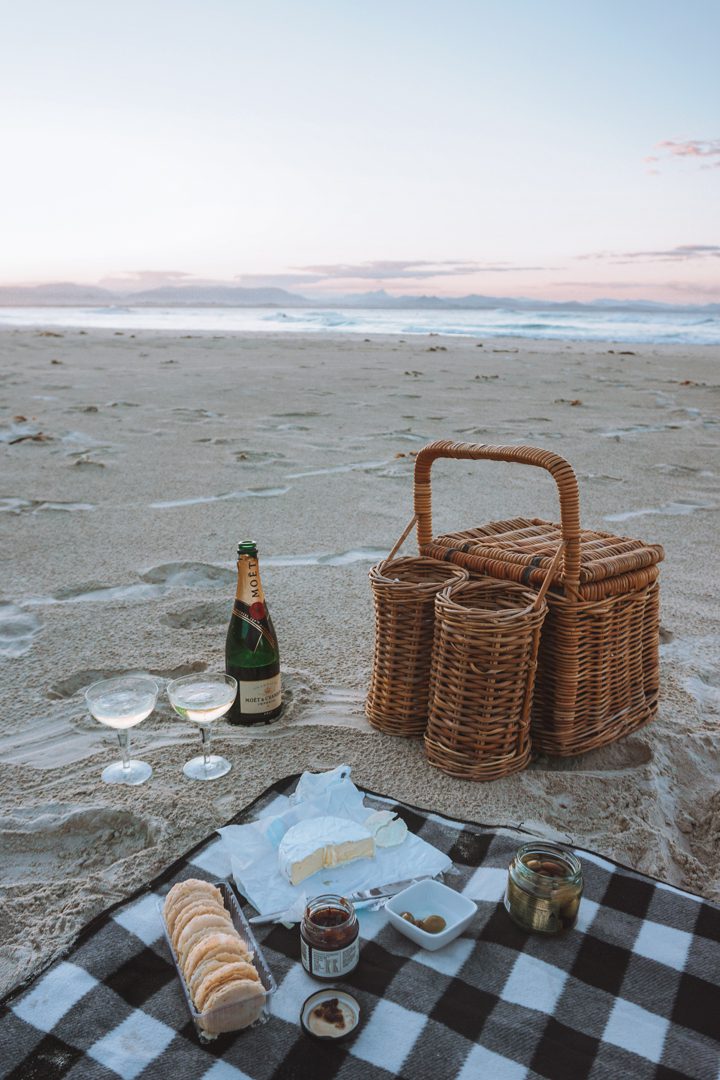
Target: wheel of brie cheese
x=318, y=843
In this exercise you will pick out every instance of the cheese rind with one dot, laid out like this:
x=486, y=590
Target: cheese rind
x=318, y=843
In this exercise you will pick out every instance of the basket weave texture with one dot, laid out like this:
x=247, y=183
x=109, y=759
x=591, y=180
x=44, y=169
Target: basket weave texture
x=404, y=592
x=598, y=671
x=487, y=634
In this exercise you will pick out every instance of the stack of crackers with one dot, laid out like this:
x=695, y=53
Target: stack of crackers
x=214, y=960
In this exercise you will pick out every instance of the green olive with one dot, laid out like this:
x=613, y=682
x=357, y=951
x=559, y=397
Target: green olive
x=408, y=917
x=433, y=924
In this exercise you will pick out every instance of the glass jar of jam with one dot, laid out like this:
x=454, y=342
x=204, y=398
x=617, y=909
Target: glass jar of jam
x=544, y=887
x=329, y=942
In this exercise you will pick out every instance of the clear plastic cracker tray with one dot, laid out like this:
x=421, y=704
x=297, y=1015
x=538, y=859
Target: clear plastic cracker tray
x=214, y=1022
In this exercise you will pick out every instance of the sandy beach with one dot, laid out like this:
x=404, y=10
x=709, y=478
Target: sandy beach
x=132, y=463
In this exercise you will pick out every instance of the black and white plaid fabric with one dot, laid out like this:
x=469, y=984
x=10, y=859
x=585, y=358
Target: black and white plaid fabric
x=632, y=992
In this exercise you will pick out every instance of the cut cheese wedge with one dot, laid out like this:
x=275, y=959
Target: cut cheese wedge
x=322, y=842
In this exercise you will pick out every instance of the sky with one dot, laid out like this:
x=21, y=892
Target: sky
x=563, y=149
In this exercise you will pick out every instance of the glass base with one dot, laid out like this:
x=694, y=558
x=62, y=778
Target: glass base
x=137, y=772
x=216, y=766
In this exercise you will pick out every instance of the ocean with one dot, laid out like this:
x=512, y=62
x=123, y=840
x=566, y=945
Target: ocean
x=659, y=327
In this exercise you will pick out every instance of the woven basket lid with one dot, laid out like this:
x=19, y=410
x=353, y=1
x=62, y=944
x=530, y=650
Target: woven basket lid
x=530, y=543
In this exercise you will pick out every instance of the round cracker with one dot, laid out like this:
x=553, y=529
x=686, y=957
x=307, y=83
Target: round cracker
x=186, y=891
x=211, y=945
x=222, y=954
x=215, y=979
x=191, y=888
x=202, y=907
x=200, y=925
x=234, y=992
x=188, y=899
x=212, y=963
x=245, y=1002
x=183, y=888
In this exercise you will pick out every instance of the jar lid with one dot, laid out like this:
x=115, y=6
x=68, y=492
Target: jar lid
x=330, y=1015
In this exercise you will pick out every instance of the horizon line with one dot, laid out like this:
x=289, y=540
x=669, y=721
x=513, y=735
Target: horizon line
x=298, y=299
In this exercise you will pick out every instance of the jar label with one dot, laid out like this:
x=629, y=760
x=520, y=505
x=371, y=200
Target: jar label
x=330, y=964
x=261, y=696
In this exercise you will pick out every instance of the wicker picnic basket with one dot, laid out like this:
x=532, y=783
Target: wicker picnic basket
x=404, y=592
x=598, y=667
x=487, y=634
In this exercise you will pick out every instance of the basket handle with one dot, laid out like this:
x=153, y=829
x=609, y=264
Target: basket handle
x=560, y=470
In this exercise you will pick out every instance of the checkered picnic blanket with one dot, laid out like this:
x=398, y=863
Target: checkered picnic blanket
x=633, y=991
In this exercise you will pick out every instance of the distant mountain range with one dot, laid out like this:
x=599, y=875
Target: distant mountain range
x=68, y=294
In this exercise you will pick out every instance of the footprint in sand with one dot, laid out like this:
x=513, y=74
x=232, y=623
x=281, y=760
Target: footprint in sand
x=155, y=582
x=600, y=478
x=193, y=415
x=86, y=462
x=636, y=429
x=20, y=431
x=617, y=757
x=40, y=843
x=298, y=415
x=78, y=443
x=674, y=509
x=199, y=617
x=671, y=469
x=160, y=580
x=266, y=456
x=74, y=684
x=64, y=733
x=283, y=427
x=354, y=466
x=340, y=558
x=34, y=506
x=697, y=660
x=230, y=496
x=17, y=630
x=336, y=706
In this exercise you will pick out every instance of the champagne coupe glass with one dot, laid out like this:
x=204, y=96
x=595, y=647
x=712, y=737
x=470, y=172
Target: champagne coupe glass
x=121, y=704
x=203, y=699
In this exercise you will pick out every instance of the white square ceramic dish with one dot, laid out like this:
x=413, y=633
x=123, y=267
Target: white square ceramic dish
x=431, y=898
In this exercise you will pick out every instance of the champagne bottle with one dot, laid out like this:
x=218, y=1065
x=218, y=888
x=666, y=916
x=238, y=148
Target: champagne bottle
x=251, y=649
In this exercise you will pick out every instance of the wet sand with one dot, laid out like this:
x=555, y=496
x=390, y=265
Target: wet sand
x=131, y=466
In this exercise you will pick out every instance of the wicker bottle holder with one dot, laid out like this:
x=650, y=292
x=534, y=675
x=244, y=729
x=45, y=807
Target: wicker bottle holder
x=598, y=666
x=487, y=635
x=404, y=592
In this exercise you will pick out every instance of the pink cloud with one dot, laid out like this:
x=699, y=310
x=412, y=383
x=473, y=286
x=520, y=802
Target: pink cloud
x=400, y=269
x=689, y=148
x=681, y=253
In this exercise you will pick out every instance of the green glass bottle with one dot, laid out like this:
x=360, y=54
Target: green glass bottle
x=251, y=648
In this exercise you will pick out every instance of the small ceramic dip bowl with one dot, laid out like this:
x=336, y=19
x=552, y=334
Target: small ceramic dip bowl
x=331, y=1014
x=426, y=898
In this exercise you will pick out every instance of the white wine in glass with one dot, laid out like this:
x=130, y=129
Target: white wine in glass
x=121, y=704
x=203, y=699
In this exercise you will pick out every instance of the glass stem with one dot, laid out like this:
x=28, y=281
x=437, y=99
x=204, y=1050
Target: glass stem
x=124, y=740
x=205, y=736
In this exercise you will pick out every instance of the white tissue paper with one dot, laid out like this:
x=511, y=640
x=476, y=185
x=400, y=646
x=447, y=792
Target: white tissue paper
x=253, y=848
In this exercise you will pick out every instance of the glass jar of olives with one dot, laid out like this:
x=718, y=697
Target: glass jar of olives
x=544, y=887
